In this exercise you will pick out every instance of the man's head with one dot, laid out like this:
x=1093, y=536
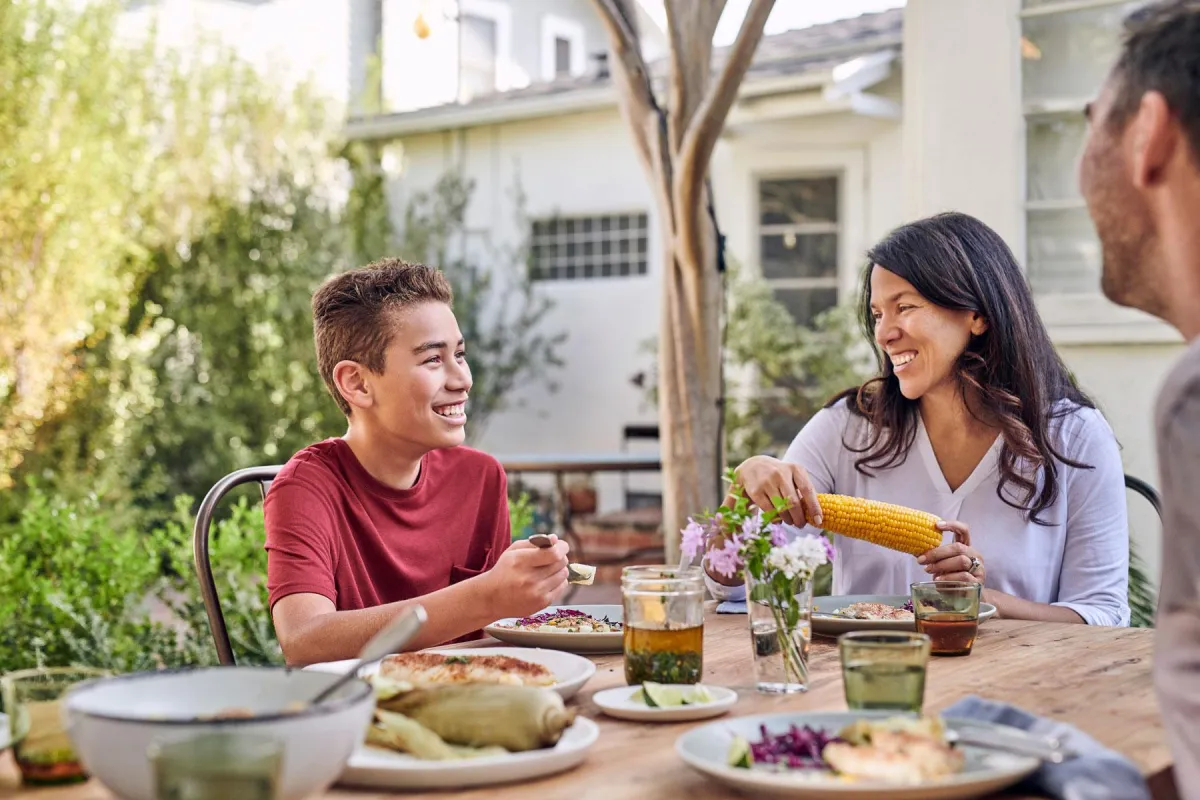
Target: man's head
x=391, y=353
x=1140, y=171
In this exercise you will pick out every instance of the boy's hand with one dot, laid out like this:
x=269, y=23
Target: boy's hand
x=526, y=578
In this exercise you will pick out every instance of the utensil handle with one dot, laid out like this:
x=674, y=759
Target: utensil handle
x=1032, y=746
x=390, y=638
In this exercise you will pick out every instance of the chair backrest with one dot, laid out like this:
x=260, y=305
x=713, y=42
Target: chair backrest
x=208, y=586
x=1147, y=491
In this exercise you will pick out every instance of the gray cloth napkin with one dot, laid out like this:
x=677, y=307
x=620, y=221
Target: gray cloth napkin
x=1097, y=773
x=732, y=607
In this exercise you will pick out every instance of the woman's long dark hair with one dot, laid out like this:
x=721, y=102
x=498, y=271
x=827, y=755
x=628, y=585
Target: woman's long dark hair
x=1012, y=372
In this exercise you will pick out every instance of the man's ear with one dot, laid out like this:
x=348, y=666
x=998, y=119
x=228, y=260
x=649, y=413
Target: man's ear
x=350, y=378
x=1152, y=136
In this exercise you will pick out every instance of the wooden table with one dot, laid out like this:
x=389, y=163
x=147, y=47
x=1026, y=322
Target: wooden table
x=1097, y=679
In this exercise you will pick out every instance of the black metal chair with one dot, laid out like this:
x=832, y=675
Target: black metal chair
x=1147, y=491
x=200, y=533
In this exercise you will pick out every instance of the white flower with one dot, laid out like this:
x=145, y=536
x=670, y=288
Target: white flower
x=799, y=557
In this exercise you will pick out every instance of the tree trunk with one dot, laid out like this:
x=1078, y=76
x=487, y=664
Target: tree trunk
x=675, y=146
x=689, y=389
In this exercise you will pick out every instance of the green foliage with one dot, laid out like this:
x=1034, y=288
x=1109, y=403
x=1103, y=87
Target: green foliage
x=1142, y=599
x=782, y=373
x=79, y=591
x=112, y=157
x=521, y=516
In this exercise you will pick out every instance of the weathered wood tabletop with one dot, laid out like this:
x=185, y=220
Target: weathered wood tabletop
x=1097, y=679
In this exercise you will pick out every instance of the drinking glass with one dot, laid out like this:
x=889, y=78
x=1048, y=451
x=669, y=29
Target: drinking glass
x=217, y=766
x=664, y=624
x=884, y=669
x=947, y=612
x=33, y=703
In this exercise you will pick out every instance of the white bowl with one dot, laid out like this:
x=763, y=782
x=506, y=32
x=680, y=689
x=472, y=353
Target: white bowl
x=113, y=721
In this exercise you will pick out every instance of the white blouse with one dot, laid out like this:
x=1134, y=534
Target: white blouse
x=1079, y=560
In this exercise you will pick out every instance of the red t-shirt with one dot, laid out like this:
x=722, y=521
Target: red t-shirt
x=336, y=531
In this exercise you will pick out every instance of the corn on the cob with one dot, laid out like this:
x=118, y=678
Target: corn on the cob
x=884, y=524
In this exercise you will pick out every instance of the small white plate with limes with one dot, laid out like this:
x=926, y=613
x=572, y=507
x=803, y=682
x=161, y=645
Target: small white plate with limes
x=665, y=702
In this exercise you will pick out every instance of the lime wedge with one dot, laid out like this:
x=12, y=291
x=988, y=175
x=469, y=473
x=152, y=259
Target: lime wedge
x=639, y=697
x=699, y=695
x=739, y=753
x=659, y=696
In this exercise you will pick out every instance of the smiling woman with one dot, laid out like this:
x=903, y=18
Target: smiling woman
x=1010, y=454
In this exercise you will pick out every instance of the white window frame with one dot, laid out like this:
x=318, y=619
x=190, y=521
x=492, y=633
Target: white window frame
x=501, y=14
x=563, y=238
x=556, y=27
x=1078, y=317
x=760, y=230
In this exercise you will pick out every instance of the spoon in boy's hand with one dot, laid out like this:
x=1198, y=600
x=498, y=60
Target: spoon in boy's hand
x=576, y=573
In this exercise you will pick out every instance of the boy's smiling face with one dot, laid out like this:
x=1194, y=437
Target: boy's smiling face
x=420, y=397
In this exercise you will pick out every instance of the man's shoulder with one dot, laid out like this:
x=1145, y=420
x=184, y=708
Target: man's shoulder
x=1181, y=387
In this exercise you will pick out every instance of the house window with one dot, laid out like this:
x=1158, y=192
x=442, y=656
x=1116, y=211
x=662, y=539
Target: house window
x=798, y=243
x=571, y=248
x=562, y=47
x=562, y=57
x=1067, y=49
x=479, y=56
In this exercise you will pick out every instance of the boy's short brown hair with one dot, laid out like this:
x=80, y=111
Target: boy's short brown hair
x=353, y=313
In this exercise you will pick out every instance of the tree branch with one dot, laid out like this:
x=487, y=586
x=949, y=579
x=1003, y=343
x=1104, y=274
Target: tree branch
x=631, y=76
x=706, y=125
x=690, y=27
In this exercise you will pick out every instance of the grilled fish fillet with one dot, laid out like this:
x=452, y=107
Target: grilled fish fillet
x=431, y=669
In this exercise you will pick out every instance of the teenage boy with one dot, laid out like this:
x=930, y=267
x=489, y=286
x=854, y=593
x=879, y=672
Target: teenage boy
x=398, y=511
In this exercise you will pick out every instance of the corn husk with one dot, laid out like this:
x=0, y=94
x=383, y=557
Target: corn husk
x=517, y=718
x=397, y=732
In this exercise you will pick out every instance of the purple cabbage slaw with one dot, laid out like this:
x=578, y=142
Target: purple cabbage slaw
x=561, y=613
x=798, y=748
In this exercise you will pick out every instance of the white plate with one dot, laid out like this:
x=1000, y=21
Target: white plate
x=571, y=672
x=565, y=640
x=376, y=767
x=617, y=703
x=824, y=622
x=706, y=749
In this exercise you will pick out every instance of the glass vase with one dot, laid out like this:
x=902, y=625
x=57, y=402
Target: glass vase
x=780, y=615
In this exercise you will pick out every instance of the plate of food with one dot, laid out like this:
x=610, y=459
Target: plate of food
x=857, y=612
x=576, y=629
x=857, y=755
x=463, y=734
x=564, y=673
x=665, y=702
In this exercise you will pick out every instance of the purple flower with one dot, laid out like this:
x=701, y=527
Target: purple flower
x=779, y=536
x=828, y=547
x=725, y=560
x=694, y=537
x=752, y=525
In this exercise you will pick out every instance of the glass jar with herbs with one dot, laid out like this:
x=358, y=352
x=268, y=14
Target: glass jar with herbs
x=664, y=624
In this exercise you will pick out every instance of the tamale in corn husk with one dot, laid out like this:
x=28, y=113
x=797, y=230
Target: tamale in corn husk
x=517, y=718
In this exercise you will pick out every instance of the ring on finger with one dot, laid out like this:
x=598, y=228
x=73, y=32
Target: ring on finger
x=976, y=565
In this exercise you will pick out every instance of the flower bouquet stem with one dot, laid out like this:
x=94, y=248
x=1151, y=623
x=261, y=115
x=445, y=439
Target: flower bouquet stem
x=780, y=628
